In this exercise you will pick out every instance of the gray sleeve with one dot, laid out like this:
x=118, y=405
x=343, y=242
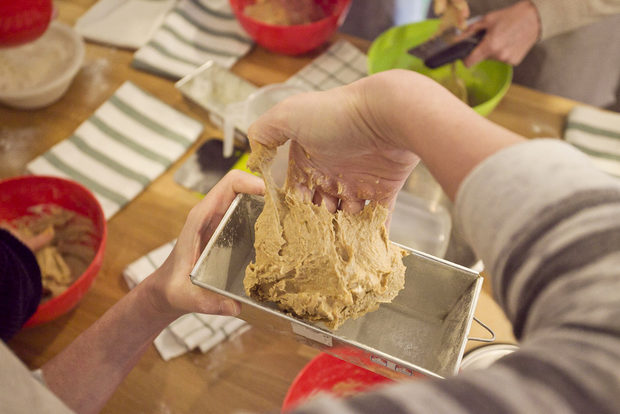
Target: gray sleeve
x=547, y=225
x=21, y=392
x=561, y=16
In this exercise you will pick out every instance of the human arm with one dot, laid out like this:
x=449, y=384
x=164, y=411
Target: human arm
x=544, y=221
x=510, y=34
x=20, y=277
x=541, y=217
x=562, y=16
x=512, y=31
x=361, y=141
x=20, y=284
x=86, y=373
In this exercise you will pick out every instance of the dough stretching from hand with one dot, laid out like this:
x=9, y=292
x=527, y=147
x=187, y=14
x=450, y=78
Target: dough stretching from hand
x=318, y=265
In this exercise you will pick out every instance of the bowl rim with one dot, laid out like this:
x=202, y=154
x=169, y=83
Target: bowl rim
x=69, y=71
x=288, y=403
x=336, y=13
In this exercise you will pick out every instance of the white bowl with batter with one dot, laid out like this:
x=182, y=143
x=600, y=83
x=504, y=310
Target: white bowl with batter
x=39, y=73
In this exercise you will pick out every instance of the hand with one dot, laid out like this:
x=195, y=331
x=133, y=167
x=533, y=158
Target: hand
x=452, y=12
x=511, y=33
x=337, y=155
x=169, y=287
x=34, y=243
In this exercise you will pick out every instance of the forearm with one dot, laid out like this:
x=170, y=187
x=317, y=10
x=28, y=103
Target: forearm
x=545, y=223
x=87, y=372
x=539, y=215
x=449, y=137
x=561, y=16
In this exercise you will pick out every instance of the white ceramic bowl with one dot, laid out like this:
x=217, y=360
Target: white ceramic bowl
x=37, y=74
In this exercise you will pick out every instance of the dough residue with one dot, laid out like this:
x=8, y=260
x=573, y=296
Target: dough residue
x=317, y=265
x=71, y=249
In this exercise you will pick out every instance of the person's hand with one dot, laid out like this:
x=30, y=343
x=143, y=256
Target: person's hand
x=337, y=154
x=452, y=12
x=360, y=142
x=510, y=34
x=34, y=243
x=169, y=287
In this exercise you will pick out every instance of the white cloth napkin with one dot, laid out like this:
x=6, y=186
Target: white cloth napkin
x=191, y=331
x=194, y=32
x=596, y=132
x=340, y=64
x=123, y=23
x=128, y=142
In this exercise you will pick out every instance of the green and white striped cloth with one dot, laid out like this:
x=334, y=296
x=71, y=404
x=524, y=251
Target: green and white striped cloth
x=596, y=132
x=194, y=32
x=129, y=141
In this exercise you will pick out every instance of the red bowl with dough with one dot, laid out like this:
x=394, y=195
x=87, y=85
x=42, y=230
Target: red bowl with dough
x=295, y=39
x=328, y=374
x=20, y=193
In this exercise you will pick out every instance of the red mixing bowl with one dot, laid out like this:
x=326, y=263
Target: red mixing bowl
x=20, y=193
x=296, y=39
x=325, y=373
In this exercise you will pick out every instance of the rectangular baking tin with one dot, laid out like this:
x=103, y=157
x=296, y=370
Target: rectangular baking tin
x=423, y=332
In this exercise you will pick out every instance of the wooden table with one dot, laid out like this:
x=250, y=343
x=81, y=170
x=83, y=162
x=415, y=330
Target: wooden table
x=252, y=371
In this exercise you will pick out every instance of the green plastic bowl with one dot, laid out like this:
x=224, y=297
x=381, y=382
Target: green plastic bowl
x=486, y=82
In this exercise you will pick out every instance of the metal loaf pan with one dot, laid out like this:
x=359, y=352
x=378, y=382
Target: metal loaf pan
x=423, y=332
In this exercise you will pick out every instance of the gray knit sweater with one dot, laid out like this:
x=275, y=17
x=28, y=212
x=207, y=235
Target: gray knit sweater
x=547, y=226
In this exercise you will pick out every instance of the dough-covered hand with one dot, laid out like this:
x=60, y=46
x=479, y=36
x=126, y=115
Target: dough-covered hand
x=510, y=34
x=339, y=155
x=169, y=287
x=452, y=12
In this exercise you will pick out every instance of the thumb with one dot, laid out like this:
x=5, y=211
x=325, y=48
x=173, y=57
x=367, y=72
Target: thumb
x=270, y=129
x=41, y=240
x=480, y=53
x=211, y=303
x=267, y=133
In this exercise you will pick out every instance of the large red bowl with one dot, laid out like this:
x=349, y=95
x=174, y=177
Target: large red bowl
x=18, y=194
x=325, y=373
x=296, y=39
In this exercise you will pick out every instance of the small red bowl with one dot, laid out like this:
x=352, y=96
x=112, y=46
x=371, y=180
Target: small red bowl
x=325, y=373
x=20, y=193
x=296, y=39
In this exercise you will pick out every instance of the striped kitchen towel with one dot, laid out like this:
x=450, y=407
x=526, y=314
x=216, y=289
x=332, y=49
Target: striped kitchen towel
x=340, y=64
x=194, y=32
x=191, y=331
x=596, y=132
x=129, y=141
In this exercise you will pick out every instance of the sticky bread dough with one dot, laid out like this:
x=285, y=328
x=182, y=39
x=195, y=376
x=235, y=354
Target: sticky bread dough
x=318, y=265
